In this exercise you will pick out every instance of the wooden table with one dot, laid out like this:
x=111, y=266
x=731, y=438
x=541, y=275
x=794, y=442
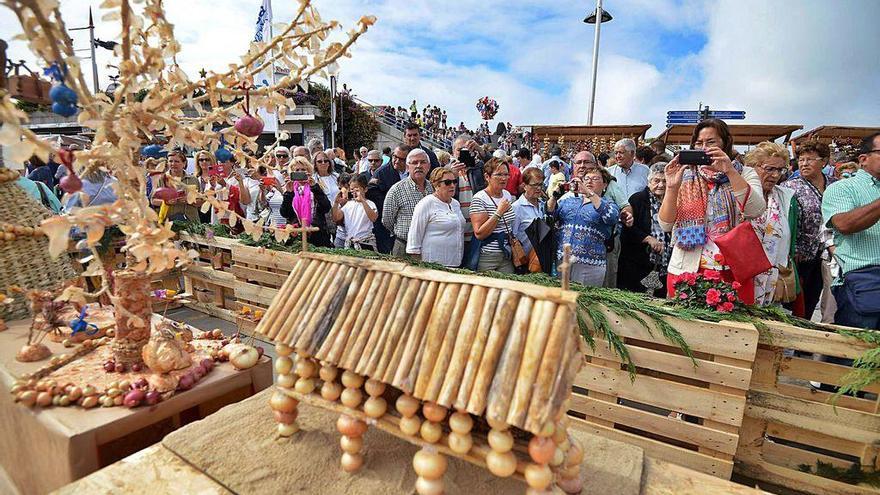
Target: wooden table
x=45, y=449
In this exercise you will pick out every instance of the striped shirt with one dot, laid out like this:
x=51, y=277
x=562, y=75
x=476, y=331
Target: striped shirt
x=854, y=251
x=397, y=212
x=482, y=203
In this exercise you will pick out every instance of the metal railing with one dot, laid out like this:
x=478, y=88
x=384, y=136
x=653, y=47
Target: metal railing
x=388, y=117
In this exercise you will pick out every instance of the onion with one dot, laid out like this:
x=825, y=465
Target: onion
x=431, y=432
x=186, y=382
x=287, y=430
x=124, y=385
x=374, y=388
x=501, y=464
x=328, y=372
x=330, y=391
x=558, y=457
x=548, y=430
x=286, y=381
x=90, y=401
x=351, y=462
x=283, y=365
x=461, y=422
x=538, y=476
x=351, y=397
x=570, y=471
x=500, y=441
x=541, y=449
x=351, y=445
x=165, y=194
x=141, y=383
x=208, y=364
x=433, y=412
x=429, y=487
x=109, y=366
x=429, y=465
x=70, y=183
x=305, y=386
x=118, y=400
x=560, y=435
x=285, y=417
x=410, y=425
x=349, y=426
x=282, y=402
x=375, y=407
x=352, y=380
x=152, y=397
x=407, y=405
x=89, y=390
x=571, y=485
x=283, y=349
x=137, y=367
x=44, y=399
x=575, y=454
x=120, y=368
x=460, y=443
x=249, y=126
x=306, y=368
x=134, y=398
x=75, y=393
x=244, y=357
x=199, y=371
x=28, y=398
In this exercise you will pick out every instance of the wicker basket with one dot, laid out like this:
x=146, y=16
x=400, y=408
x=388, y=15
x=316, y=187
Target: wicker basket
x=25, y=262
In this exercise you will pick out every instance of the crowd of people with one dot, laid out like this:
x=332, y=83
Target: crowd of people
x=484, y=208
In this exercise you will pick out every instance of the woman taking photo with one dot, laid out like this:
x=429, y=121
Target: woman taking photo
x=493, y=218
x=705, y=202
x=357, y=213
x=808, y=189
x=644, y=246
x=176, y=208
x=777, y=226
x=304, y=202
x=585, y=221
x=436, y=232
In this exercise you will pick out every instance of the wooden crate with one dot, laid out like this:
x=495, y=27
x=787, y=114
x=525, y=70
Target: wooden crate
x=789, y=423
x=711, y=396
x=209, y=277
x=259, y=273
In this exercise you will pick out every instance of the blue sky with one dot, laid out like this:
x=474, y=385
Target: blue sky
x=782, y=61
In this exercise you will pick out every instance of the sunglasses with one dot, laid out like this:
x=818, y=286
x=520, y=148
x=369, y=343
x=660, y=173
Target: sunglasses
x=281, y=155
x=446, y=182
x=204, y=160
x=371, y=160
x=322, y=161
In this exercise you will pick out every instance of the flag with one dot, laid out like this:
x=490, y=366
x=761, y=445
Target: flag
x=264, y=34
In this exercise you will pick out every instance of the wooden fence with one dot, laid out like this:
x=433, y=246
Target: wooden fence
x=746, y=407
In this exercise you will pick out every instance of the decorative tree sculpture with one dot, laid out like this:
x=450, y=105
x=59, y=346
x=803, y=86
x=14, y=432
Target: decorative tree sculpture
x=124, y=123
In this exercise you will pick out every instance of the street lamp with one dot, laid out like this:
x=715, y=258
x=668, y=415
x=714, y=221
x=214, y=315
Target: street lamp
x=602, y=16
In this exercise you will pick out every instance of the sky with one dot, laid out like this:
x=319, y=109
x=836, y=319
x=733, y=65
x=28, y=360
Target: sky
x=801, y=62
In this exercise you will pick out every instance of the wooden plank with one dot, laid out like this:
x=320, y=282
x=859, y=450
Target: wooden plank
x=276, y=260
x=840, y=422
x=542, y=293
x=691, y=459
x=727, y=338
x=816, y=439
x=257, y=275
x=818, y=371
x=660, y=477
x=804, y=482
x=210, y=309
x=655, y=423
x=793, y=457
x=704, y=403
x=823, y=397
x=224, y=243
x=255, y=293
x=706, y=371
x=821, y=342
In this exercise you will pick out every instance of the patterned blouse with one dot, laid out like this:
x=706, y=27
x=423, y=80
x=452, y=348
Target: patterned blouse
x=586, y=228
x=809, y=241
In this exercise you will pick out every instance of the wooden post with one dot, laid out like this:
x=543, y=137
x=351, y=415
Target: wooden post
x=131, y=301
x=565, y=267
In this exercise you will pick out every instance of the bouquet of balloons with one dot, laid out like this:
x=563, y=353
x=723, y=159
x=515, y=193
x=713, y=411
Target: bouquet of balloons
x=487, y=107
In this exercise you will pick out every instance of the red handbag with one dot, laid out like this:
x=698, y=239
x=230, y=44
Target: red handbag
x=743, y=251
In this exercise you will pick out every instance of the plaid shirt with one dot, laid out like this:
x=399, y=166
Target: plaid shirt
x=400, y=202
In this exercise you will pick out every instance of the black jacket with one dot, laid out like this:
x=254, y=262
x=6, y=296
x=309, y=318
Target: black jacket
x=632, y=248
x=387, y=176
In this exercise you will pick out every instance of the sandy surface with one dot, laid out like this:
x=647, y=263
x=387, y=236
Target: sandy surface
x=238, y=447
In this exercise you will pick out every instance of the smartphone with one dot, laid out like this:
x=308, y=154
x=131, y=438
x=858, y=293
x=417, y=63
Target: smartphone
x=464, y=156
x=268, y=181
x=215, y=171
x=299, y=176
x=694, y=157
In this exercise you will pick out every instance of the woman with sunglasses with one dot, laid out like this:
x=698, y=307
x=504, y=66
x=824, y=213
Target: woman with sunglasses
x=777, y=226
x=436, y=232
x=306, y=202
x=585, y=221
x=327, y=178
x=206, y=166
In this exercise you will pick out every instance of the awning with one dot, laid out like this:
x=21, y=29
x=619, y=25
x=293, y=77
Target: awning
x=829, y=133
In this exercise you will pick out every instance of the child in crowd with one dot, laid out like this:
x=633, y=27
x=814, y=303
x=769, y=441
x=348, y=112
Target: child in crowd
x=357, y=214
x=557, y=178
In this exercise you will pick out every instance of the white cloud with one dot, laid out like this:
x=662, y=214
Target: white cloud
x=786, y=61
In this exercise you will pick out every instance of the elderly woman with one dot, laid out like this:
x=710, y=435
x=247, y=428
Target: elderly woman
x=809, y=187
x=585, y=221
x=305, y=203
x=530, y=206
x=777, y=226
x=436, y=232
x=705, y=202
x=644, y=246
x=493, y=218
x=177, y=208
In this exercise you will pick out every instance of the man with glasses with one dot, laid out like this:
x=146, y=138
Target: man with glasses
x=851, y=208
x=363, y=164
x=403, y=197
x=374, y=162
x=628, y=173
x=412, y=137
x=386, y=176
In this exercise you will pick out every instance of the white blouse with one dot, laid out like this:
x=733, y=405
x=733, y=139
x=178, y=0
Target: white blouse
x=437, y=231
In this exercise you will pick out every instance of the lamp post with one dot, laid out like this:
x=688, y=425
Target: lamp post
x=597, y=18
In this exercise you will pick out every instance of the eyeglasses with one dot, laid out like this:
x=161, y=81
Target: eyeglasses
x=204, y=159
x=400, y=158
x=501, y=176
x=584, y=162
x=536, y=184
x=446, y=182
x=322, y=161
x=371, y=160
x=705, y=144
x=774, y=170
x=593, y=178
x=847, y=175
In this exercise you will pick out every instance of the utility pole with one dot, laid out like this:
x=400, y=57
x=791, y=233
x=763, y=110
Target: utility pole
x=91, y=28
x=332, y=111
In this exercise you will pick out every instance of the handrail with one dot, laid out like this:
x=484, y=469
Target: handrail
x=390, y=119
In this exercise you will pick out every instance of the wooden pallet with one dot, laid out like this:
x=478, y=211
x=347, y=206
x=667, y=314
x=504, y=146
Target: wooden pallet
x=788, y=423
x=258, y=274
x=711, y=396
x=209, y=277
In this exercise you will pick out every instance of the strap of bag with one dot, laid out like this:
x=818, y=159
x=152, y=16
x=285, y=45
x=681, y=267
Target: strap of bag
x=43, y=198
x=507, y=227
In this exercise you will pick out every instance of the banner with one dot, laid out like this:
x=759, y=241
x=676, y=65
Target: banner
x=264, y=34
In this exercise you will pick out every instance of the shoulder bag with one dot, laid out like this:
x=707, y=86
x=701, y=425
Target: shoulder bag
x=742, y=250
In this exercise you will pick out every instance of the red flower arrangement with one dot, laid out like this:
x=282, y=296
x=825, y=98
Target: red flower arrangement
x=707, y=290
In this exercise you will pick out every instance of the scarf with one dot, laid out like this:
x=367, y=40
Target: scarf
x=302, y=203
x=706, y=208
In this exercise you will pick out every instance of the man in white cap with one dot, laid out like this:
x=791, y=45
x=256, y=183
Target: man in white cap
x=363, y=164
